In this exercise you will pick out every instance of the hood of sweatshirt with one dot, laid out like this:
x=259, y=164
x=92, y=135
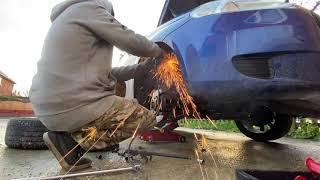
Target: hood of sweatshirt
x=61, y=7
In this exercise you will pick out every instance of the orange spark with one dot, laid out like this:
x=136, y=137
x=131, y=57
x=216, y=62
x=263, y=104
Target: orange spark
x=197, y=157
x=135, y=131
x=197, y=154
x=204, y=141
x=195, y=137
x=169, y=73
x=92, y=133
x=174, y=112
x=186, y=121
x=211, y=122
x=206, y=146
x=85, y=139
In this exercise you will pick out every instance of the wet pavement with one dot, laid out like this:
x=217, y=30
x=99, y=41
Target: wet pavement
x=228, y=152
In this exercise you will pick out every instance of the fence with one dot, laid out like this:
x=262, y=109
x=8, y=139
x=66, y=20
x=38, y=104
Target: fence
x=15, y=108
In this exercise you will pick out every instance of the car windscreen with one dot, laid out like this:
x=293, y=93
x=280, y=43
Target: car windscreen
x=174, y=8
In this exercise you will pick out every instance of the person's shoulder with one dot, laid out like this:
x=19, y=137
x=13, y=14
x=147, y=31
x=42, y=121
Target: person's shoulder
x=93, y=4
x=87, y=9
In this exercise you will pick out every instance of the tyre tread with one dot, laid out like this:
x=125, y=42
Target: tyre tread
x=25, y=133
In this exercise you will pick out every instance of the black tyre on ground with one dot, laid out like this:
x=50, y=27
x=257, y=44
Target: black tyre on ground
x=25, y=133
x=280, y=127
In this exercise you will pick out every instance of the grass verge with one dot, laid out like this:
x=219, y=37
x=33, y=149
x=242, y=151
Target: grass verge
x=14, y=98
x=303, y=129
x=220, y=125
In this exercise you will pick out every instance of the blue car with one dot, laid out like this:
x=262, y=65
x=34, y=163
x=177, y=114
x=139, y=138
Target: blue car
x=254, y=61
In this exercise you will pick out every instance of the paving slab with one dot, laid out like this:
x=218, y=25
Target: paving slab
x=228, y=152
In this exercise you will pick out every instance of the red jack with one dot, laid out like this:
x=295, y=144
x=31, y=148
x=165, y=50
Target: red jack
x=163, y=134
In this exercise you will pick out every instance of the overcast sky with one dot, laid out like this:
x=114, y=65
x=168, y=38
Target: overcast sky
x=24, y=24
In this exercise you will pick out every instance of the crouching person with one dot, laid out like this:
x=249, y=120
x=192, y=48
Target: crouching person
x=73, y=91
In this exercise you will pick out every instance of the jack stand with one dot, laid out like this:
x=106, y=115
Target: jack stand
x=163, y=134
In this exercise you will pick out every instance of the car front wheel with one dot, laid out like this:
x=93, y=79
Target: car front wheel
x=276, y=127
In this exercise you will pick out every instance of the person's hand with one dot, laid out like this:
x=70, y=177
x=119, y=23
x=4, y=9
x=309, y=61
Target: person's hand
x=150, y=63
x=147, y=65
x=143, y=60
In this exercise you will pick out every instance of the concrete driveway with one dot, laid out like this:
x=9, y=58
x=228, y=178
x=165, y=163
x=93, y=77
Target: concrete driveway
x=230, y=151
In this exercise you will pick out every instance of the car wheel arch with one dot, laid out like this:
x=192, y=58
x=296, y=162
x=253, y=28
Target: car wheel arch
x=138, y=83
x=169, y=46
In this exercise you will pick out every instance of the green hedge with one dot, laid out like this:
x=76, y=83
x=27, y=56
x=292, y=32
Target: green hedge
x=14, y=98
x=220, y=125
x=306, y=129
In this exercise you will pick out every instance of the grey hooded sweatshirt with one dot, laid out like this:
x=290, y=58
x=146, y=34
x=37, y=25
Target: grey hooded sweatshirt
x=74, y=85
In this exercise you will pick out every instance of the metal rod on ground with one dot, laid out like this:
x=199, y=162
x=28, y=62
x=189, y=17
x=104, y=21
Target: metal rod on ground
x=147, y=153
x=169, y=155
x=133, y=168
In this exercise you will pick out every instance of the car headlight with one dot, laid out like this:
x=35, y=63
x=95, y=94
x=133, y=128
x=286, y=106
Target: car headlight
x=215, y=7
x=205, y=9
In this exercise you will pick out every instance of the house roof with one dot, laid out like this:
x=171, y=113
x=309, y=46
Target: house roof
x=4, y=76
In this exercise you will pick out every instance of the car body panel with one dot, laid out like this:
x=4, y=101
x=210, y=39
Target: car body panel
x=223, y=54
x=221, y=37
x=164, y=30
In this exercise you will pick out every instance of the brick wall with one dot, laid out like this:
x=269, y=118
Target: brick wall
x=15, y=108
x=15, y=105
x=5, y=87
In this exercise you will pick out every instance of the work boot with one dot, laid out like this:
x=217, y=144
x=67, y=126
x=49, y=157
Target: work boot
x=60, y=144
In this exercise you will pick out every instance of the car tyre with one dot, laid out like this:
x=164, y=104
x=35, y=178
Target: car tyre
x=25, y=133
x=282, y=126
